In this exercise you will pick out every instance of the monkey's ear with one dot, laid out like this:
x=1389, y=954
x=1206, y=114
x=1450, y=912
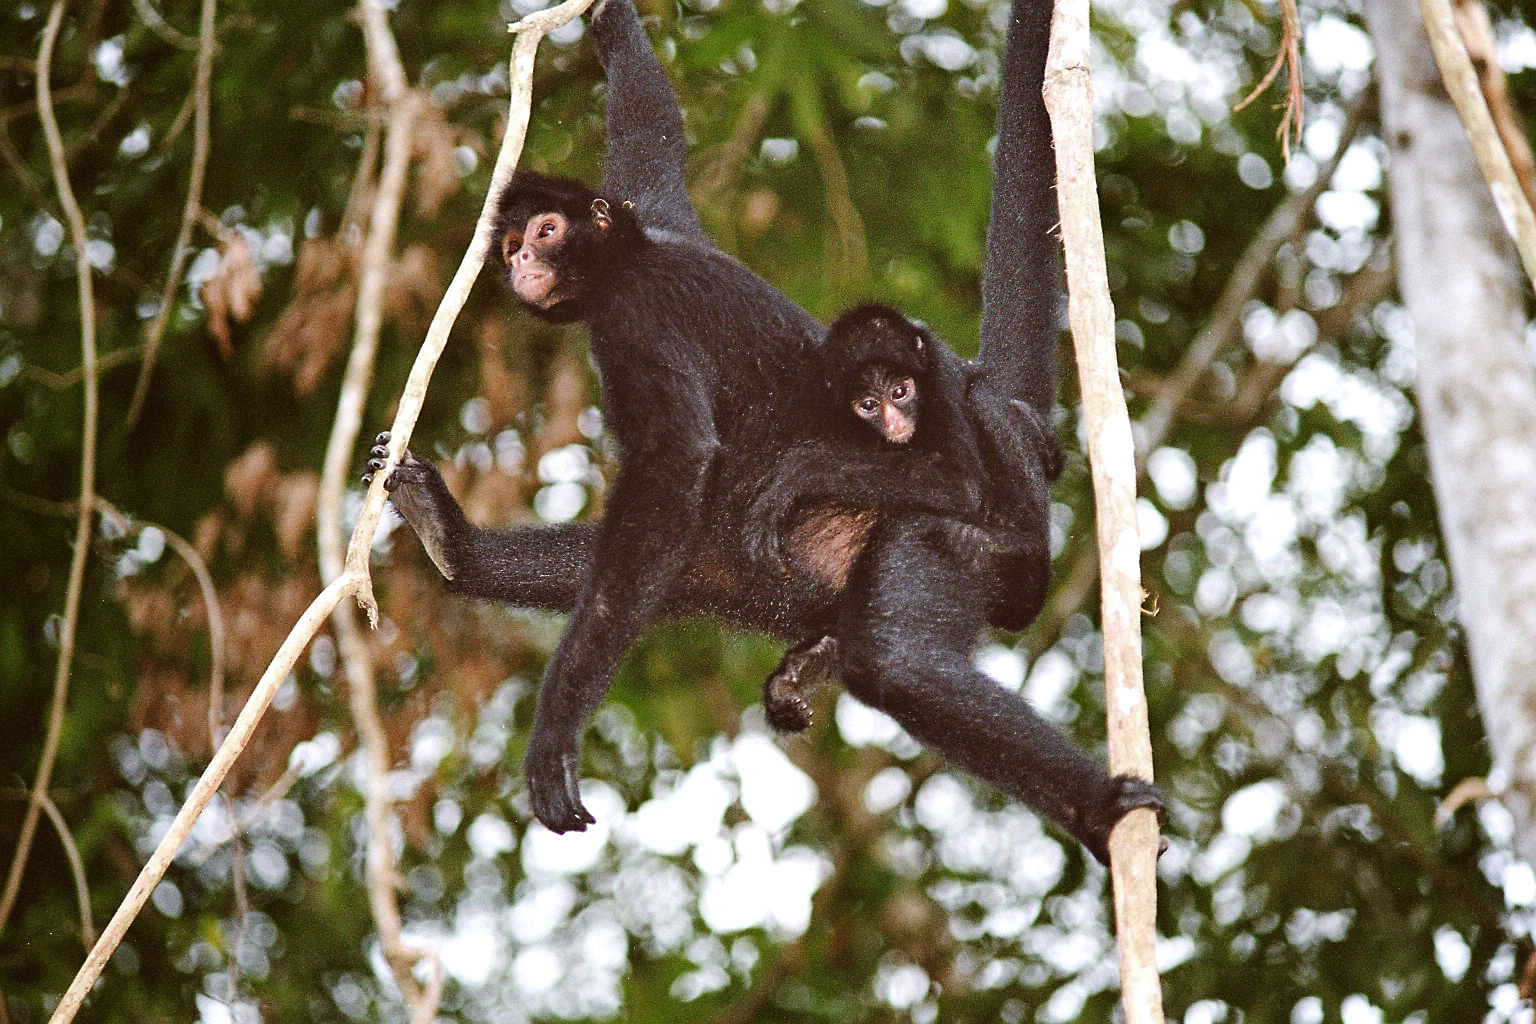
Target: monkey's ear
x=510, y=243
x=600, y=215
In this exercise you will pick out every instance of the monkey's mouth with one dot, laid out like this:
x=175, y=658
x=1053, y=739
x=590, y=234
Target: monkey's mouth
x=534, y=286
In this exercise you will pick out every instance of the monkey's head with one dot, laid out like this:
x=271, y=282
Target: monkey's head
x=556, y=238
x=878, y=361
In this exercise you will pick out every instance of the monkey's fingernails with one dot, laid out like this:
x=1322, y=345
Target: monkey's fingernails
x=383, y=437
x=375, y=464
x=367, y=479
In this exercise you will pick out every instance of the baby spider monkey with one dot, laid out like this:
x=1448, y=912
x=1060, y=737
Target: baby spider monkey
x=895, y=389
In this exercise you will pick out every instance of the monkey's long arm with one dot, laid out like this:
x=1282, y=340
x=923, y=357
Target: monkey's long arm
x=890, y=480
x=644, y=542
x=645, y=127
x=1021, y=288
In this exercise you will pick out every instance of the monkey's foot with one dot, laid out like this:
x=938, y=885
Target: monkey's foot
x=1127, y=793
x=787, y=713
x=803, y=671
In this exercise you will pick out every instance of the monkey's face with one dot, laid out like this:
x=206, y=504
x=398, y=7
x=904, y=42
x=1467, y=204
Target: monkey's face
x=887, y=399
x=543, y=254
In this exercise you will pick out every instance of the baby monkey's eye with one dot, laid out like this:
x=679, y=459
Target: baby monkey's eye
x=867, y=406
x=898, y=392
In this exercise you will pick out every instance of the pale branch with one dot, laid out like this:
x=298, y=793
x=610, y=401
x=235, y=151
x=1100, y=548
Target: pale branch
x=354, y=581
x=1477, y=33
x=380, y=873
x=71, y=619
x=223, y=759
x=190, y=210
x=1493, y=161
x=1134, y=842
x=162, y=28
x=216, y=631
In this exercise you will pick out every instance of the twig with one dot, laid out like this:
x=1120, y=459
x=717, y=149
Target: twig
x=162, y=28
x=87, y=299
x=1226, y=318
x=189, y=212
x=1289, y=56
x=1477, y=33
x=381, y=874
x=354, y=581
x=1134, y=842
x=216, y=633
x=72, y=855
x=1461, y=82
x=63, y=381
x=242, y=903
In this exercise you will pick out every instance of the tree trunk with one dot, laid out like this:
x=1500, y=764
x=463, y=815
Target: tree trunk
x=1458, y=277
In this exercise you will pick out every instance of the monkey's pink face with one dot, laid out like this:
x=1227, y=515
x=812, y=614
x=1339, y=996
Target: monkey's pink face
x=527, y=254
x=892, y=410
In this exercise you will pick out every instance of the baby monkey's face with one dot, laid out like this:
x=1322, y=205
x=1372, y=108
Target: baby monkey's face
x=886, y=398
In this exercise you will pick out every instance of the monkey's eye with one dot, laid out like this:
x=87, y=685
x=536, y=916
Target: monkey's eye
x=898, y=392
x=866, y=406
x=545, y=229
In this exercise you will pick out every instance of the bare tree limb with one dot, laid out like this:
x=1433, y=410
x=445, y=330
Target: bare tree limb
x=1477, y=33
x=71, y=620
x=190, y=211
x=68, y=379
x=354, y=581
x=1107, y=426
x=1492, y=159
x=401, y=105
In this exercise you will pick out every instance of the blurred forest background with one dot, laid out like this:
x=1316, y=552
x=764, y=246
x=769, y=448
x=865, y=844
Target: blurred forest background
x=1311, y=694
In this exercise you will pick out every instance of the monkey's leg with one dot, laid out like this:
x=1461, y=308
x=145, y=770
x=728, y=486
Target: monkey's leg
x=803, y=670
x=910, y=622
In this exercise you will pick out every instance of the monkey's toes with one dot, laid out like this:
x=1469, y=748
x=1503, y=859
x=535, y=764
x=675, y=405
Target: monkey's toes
x=788, y=714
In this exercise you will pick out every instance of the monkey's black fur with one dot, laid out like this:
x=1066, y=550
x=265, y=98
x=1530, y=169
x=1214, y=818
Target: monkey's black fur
x=964, y=434
x=702, y=365
x=590, y=256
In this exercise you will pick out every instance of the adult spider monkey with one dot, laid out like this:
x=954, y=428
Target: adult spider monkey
x=701, y=366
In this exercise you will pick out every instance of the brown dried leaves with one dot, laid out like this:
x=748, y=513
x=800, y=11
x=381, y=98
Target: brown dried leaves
x=230, y=294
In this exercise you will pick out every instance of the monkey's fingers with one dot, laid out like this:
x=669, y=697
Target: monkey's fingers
x=376, y=456
x=374, y=465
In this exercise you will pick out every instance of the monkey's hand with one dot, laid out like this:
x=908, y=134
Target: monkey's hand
x=1126, y=794
x=767, y=524
x=418, y=492
x=550, y=767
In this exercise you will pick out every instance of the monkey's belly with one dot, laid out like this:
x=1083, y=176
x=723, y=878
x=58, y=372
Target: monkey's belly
x=825, y=541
